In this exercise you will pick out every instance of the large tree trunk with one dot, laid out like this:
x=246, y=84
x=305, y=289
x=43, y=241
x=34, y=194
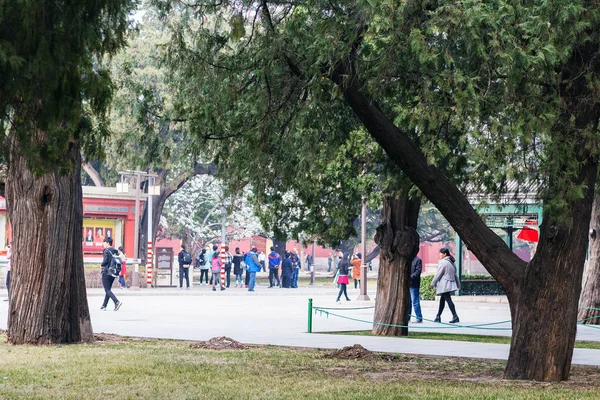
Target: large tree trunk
x=589, y=311
x=543, y=294
x=399, y=243
x=48, y=302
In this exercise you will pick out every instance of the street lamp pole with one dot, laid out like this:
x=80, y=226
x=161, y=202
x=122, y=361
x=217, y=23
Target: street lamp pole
x=363, y=237
x=135, y=279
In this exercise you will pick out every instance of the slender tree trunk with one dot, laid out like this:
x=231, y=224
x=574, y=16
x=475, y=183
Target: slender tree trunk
x=93, y=174
x=398, y=240
x=48, y=302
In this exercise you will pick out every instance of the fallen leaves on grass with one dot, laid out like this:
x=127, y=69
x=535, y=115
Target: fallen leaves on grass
x=219, y=343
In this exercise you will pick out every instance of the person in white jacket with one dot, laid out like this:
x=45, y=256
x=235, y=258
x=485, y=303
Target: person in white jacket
x=445, y=282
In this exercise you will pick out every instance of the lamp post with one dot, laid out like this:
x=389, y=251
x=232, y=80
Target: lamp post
x=123, y=187
x=363, y=237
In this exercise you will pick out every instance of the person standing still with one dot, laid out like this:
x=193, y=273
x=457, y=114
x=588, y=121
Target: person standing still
x=8, y=257
x=274, y=262
x=445, y=282
x=296, y=264
x=414, y=301
x=228, y=262
x=108, y=279
x=202, y=263
x=238, y=270
x=123, y=273
x=329, y=262
x=356, y=262
x=185, y=260
x=215, y=263
x=253, y=266
x=262, y=260
x=286, y=271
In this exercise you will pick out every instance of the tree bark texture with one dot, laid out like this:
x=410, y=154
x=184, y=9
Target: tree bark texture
x=589, y=311
x=398, y=240
x=48, y=301
x=544, y=293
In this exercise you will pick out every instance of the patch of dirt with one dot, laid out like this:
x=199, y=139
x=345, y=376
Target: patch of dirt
x=219, y=343
x=356, y=352
x=109, y=338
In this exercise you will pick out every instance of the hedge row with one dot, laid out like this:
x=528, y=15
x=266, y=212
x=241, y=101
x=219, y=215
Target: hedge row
x=472, y=285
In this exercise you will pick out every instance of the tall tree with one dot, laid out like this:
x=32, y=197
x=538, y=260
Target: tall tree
x=49, y=87
x=511, y=85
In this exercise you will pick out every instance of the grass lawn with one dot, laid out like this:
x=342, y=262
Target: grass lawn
x=463, y=338
x=122, y=368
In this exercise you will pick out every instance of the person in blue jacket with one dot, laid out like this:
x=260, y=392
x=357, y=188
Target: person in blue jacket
x=286, y=271
x=253, y=267
x=274, y=263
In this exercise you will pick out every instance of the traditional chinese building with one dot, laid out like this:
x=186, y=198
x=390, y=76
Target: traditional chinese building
x=106, y=213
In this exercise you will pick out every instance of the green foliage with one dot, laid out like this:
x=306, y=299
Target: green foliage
x=49, y=79
x=426, y=292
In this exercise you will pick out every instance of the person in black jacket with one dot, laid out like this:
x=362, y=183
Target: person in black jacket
x=344, y=268
x=415, y=287
x=184, y=268
x=287, y=270
x=108, y=279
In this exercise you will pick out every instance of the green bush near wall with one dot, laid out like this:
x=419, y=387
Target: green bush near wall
x=472, y=285
x=427, y=293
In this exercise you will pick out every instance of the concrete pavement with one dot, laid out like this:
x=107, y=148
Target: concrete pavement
x=279, y=317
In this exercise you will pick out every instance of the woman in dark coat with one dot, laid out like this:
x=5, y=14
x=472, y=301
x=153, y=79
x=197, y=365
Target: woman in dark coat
x=238, y=270
x=343, y=268
x=286, y=271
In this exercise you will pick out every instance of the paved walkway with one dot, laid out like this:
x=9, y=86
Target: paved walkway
x=279, y=317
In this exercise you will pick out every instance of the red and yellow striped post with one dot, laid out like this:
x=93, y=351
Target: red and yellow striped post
x=223, y=256
x=149, y=266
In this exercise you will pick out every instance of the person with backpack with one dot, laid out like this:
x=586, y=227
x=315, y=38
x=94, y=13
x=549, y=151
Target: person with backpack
x=253, y=267
x=111, y=267
x=203, y=265
x=185, y=260
x=123, y=274
x=274, y=262
x=238, y=268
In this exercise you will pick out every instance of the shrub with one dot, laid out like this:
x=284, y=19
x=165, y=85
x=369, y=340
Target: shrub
x=426, y=292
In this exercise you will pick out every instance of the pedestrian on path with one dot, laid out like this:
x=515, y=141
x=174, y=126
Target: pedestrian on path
x=344, y=268
x=228, y=262
x=123, y=274
x=356, y=263
x=296, y=265
x=238, y=269
x=185, y=260
x=274, y=262
x=286, y=271
x=415, y=286
x=8, y=257
x=201, y=262
x=253, y=267
x=445, y=282
x=216, y=263
x=107, y=279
